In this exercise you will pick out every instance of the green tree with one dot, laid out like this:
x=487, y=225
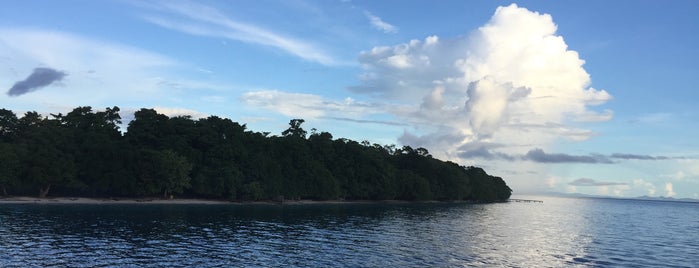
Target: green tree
x=148, y=129
x=97, y=147
x=253, y=191
x=8, y=125
x=9, y=166
x=163, y=172
x=83, y=152
x=44, y=159
x=413, y=186
x=219, y=152
x=295, y=129
x=174, y=172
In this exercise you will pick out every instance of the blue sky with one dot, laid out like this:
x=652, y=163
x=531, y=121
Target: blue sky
x=595, y=97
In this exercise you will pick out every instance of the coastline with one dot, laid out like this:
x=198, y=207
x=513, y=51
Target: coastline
x=191, y=201
x=95, y=201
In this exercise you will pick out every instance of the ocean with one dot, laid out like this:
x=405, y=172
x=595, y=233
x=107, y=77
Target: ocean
x=560, y=232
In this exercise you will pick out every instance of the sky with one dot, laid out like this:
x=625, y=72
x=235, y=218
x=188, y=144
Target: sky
x=594, y=97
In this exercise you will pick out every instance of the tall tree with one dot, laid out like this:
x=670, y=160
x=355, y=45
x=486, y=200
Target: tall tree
x=9, y=166
x=173, y=172
x=8, y=125
x=295, y=129
x=45, y=158
x=98, y=148
x=147, y=129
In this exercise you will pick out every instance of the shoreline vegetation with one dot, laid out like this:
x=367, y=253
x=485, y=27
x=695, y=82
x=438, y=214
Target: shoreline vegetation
x=84, y=154
x=194, y=201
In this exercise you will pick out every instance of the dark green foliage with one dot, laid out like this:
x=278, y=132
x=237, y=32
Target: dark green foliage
x=83, y=153
x=44, y=146
x=8, y=125
x=9, y=166
x=489, y=187
x=295, y=129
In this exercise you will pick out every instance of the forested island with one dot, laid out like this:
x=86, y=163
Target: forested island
x=84, y=153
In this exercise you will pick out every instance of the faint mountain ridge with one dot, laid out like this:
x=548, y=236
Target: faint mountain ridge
x=643, y=197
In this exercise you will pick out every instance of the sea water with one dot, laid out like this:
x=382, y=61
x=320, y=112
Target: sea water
x=560, y=232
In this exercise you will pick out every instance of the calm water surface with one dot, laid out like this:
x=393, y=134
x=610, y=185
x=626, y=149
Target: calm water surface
x=561, y=232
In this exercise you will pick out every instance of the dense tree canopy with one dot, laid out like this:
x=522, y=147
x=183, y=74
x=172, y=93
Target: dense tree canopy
x=84, y=153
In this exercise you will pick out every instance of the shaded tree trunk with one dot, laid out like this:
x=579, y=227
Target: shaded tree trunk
x=44, y=191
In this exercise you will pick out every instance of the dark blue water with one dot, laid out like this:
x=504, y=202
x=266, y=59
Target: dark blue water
x=560, y=232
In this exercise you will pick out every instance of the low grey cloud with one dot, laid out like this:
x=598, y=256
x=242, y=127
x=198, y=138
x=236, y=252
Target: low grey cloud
x=639, y=157
x=485, y=150
x=39, y=78
x=482, y=150
x=538, y=155
x=591, y=182
x=434, y=141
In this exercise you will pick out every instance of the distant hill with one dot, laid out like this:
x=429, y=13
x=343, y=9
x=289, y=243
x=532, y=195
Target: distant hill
x=645, y=197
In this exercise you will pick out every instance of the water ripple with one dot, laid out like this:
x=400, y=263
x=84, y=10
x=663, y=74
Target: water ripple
x=557, y=233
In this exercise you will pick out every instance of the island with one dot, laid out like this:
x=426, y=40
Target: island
x=85, y=154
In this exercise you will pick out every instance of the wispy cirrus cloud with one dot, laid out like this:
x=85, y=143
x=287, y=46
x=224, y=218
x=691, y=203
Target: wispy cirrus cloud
x=379, y=24
x=364, y=121
x=198, y=19
x=304, y=105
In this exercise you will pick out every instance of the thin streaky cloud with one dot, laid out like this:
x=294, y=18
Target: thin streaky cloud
x=208, y=21
x=363, y=121
x=379, y=24
x=592, y=182
x=641, y=157
x=538, y=155
x=483, y=151
x=309, y=105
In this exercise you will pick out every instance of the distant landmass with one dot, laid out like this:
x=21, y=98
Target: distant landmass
x=645, y=197
x=84, y=154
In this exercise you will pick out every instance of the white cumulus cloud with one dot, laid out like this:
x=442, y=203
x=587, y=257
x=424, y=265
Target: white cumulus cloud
x=511, y=81
x=174, y=112
x=512, y=84
x=649, y=187
x=669, y=192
